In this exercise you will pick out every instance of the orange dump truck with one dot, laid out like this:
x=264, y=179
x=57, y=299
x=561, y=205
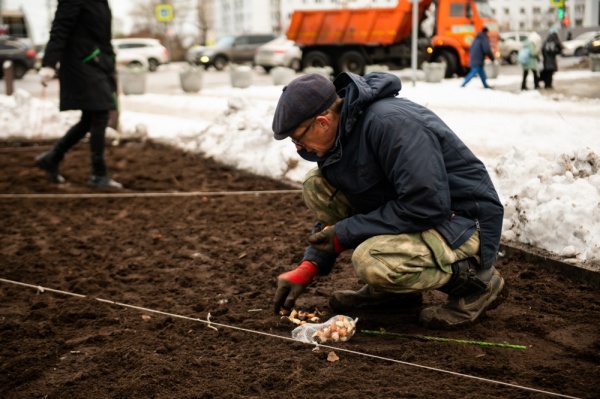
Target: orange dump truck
x=351, y=38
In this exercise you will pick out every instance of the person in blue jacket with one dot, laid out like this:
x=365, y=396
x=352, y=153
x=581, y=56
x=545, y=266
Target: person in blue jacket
x=395, y=184
x=480, y=48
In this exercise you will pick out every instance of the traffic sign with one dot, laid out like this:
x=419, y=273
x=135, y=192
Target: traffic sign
x=164, y=12
x=557, y=3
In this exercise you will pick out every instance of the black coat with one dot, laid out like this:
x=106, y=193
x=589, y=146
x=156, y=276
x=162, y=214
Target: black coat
x=405, y=171
x=80, y=40
x=550, y=49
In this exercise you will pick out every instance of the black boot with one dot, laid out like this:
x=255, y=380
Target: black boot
x=99, y=177
x=367, y=297
x=48, y=161
x=471, y=290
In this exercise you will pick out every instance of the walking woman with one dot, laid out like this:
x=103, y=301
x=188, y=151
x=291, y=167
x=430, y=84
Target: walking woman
x=80, y=42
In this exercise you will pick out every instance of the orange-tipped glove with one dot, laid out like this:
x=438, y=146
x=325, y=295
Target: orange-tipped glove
x=293, y=283
x=326, y=240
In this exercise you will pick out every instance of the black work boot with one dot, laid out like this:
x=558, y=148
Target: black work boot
x=48, y=161
x=99, y=177
x=471, y=291
x=343, y=301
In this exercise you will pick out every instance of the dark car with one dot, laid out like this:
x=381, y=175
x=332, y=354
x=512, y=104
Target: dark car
x=593, y=45
x=235, y=49
x=20, y=53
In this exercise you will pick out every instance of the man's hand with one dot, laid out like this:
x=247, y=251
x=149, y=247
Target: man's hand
x=291, y=284
x=326, y=240
x=46, y=74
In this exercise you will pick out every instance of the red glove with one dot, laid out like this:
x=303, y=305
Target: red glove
x=291, y=284
x=326, y=240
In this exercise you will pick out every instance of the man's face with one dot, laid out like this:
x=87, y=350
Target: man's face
x=317, y=137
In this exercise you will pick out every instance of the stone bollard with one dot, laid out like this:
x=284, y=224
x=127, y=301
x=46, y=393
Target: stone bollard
x=282, y=76
x=191, y=79
x=595, y=62
x=434, y=71
x=241, y=76
x=325, y=71
x=492, y=69
x=376, y=68
x=133, y=80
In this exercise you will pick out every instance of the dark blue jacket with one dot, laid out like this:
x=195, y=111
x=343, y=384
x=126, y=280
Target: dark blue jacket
x=405, y=171
x=479, y=49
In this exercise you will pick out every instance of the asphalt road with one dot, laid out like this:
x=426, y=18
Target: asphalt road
x=166, y=80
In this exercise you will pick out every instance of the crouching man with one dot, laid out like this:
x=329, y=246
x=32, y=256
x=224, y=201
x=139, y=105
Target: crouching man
x=394, y=183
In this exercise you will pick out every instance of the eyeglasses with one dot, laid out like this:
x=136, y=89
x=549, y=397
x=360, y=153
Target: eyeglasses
x=298, y=141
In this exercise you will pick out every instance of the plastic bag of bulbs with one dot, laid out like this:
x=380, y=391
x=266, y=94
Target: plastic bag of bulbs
x=336, y=329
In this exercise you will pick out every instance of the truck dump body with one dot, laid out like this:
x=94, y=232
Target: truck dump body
x=381, y=26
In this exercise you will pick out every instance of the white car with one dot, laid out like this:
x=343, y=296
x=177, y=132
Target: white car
x=509, y=45
x=576, y=46
x=155, y=53
x=130, y=60
x=279, y=52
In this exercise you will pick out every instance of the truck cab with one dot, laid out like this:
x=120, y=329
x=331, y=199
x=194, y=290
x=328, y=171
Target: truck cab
x=457, y=24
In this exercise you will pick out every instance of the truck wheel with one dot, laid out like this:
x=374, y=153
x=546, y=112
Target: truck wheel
x=317, y=59
x=450, y=60
x=512, y=58
x=352, y=61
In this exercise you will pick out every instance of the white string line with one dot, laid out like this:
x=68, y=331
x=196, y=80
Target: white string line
x=164, y=194
x=211, y=324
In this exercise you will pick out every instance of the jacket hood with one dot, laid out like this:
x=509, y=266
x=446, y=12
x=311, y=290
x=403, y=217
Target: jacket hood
x=359, y=92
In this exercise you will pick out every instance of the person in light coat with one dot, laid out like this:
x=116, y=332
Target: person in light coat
x=533, y=42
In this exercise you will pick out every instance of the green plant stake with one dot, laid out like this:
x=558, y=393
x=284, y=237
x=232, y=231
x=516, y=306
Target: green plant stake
x=439, y=339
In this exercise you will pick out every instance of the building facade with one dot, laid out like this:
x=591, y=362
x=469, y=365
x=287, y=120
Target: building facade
x=260, y=16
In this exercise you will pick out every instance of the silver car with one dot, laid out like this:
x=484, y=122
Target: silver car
x=576, y=47
x=279, y=52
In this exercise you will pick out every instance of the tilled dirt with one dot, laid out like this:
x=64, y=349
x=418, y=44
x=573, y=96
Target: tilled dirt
x=120, y=289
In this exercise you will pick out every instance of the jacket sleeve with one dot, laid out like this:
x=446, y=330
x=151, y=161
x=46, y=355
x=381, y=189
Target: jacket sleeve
x=410, y=156
x=487, y=49
x=65, y=18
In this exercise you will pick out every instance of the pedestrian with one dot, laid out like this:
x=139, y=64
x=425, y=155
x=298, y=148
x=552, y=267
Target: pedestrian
x=80, y=47
x=480, y=48
x=395, y=184
x=528, y=59
x=550, y=49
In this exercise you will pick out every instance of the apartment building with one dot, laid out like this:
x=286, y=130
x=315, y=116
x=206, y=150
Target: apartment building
x=258, y=16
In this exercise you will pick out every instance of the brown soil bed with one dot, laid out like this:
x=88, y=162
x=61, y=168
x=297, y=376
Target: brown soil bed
x=188, y=256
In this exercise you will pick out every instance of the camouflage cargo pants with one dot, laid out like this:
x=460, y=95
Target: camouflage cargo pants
x=401, y=263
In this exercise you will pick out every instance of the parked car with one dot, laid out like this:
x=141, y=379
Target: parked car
x=510, y=43
x=193, y=53
x=235, y=49
x=20, y=53
x=593, y=45
x=122, y=58
x=279, y=52
x=576, y=46
x=155, y=53
x=131, y=59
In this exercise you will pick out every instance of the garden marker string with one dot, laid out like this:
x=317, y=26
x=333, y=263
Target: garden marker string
x=165, y=194
x=213, y=325
x=441, y=339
